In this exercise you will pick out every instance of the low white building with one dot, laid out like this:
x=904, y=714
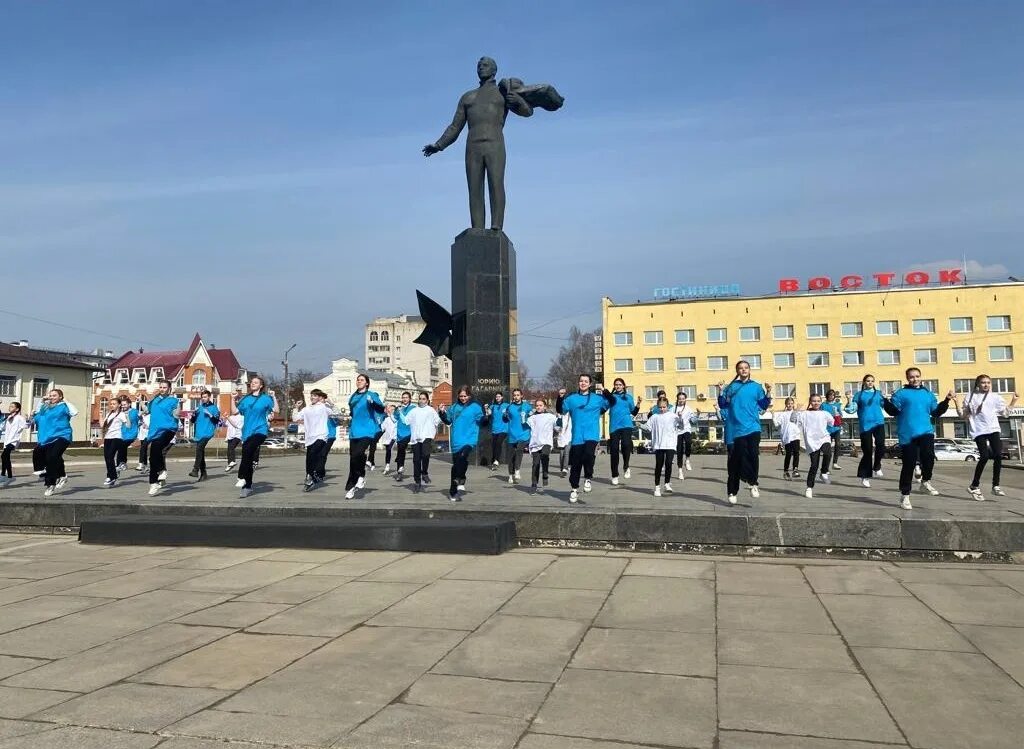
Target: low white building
x=390, y=347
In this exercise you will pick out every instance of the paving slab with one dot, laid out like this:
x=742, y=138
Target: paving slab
x=518, y=648
x=512, y=568
x=944, y=575
x=134, y=583
x=1004, y=645
x=137, y=707
x=673, y=711
x=16, y=702
x=82, y=738
x=44, y=608
x=402, y=726
x=234, y=614
x=217, y=559
x=581, y=573
x=543, y=741
x=232, y=662
x=113, y=661
x=749, y=740
x=315, y=556
x=338, y=611
x=262, y=729
x=34, y=569
x=417, y=568
x=644, y=651
x=742, y=578
x=829, y=704
x=946, y=700
x=1011, y=578
x=972, y=604
x=357, y=565
x=70, y=582
x=772, y=614
x=448, y=604
x=190, y=743
x=670, y=568
x=661, y=603
x=11, y=728
x=244, y=577
x=11, y=665
x=890, y=622
x=853, y=580
x=298, y=589
x=783, y=650
x=558, y=603
x=513, y=699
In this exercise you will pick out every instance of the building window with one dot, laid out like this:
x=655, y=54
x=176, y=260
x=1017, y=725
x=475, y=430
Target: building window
x=853, y=358
x=623, y=365
x=926, y=356
x=963, y=354
x=345, y=387
x=690, y=390
x=157, y=374
x=374, y=335
x=1003, y=384
x=684, y=336
x=623, y=339
x=888, y=356
x=961, y=325
x=686, y=363
x=887, y=327
x=653, y=338
x=923, y=327
x=718, y=363
x=851, y=329
x=750, y=334
x=385, y=336
x=820, y=388
x=997, y=323
x=103, y=406
x=784, y=361
x=817, y=330
x=754, y=360
x=965, y=385
x=817, y=359
x=654, y=365
x=651, y=391
x=717, y=335
x=782, y=332
x=40, y=387
x=1000, y=353
x=888, y=387
x=122, y=376
x=199, y=377
x=785, y=389
x=8, y=386
x=138, y=376
x=931, y=385
x=851, y=387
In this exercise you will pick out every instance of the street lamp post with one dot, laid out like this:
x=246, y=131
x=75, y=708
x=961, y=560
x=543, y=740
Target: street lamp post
x=287, y=404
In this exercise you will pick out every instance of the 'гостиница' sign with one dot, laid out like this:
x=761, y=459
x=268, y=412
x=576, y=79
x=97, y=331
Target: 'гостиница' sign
x=697, y=292
x=882, y=280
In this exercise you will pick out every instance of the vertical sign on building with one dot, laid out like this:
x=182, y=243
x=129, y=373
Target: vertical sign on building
x=598, y=358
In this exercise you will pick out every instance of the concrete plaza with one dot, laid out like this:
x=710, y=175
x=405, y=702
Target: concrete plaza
x=199, y=648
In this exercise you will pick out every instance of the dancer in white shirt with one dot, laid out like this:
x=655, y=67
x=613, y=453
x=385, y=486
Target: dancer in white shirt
x=663, y=425
x=234, y=437
x=789, y=437
x=815, y=424
x=11, y=427
x=114, y=423
x=542, y=440
x=423, y=422
x=143, y=464
x=563, y=428
x=314, y=418
x=982, y=408
x=684, y=440
x=389, y=435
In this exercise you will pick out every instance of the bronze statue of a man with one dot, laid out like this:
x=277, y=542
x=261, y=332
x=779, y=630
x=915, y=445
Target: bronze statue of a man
x=485, y=110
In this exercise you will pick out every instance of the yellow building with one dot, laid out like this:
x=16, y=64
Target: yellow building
x=804, y=343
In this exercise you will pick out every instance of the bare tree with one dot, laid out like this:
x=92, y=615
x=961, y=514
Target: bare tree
x=573, y=359
x=526, y=383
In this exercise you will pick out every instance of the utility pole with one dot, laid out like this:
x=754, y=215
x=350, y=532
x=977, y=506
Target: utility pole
x=287, y=402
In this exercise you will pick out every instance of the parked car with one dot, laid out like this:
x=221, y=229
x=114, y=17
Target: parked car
x=955, y=452
x=274, y=443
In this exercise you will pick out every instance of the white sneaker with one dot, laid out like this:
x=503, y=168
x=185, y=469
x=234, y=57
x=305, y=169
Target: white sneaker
x=865, y=483
x=681, y=474
x=350, y=494
x=689, y=465
x=975, y=492
x=155, y=489
x=905, y=504
x=878, y=474
x=120, y=468
x=565, y=471
x=228, y=467
x=826, y=478
x=387, y=469
x=615, y=480
x=240, y=483
x=61, y=483
x=626, y=474
x=809, y=493
x=574, y=496
x=495, y=464
x=48, y=492
x=518, y=476
x=917, y=472
x=755, y=492
x=400, y=472
x=361, y=483
x=460, y=488
x=837, y=466
x=243, y=493
x=162, y=476
x=140, y=467
x=668, y=488
x=732, y=499
x=927, y=486
x=372, y=467
x=997, y=490
x=108, y=482
x=511, y=480
x=657, y=491
x=586, y=486
x=39, y=473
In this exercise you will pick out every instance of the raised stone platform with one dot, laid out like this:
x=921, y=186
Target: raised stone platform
x=842, y=517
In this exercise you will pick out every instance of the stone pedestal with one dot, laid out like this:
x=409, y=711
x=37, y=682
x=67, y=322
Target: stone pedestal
x=484, y=354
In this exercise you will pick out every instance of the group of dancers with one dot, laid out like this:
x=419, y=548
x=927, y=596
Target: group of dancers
x=519, y=427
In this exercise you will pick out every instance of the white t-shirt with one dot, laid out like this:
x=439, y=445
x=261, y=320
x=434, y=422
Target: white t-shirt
x=565, y=431
x=314, y=417
x=686, y=418
x=12, y=429
x=663, y=428
x=423, y=422
x=542, y=430
x=143, y=426
x=113, y=423
x=815, y=426
x=389, y=428
x=983, y=411
x=234, y=426
x=788, y=430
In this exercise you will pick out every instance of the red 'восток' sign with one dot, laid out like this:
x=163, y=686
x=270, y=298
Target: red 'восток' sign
x=913, y=278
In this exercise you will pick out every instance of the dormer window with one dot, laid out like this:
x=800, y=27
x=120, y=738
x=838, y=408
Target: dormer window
x=199, y=377
x=121, y=376
x=157, y=374
x=138, y=376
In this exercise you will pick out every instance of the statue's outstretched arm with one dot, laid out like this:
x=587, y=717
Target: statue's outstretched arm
x=451, y=133
x=517, y=105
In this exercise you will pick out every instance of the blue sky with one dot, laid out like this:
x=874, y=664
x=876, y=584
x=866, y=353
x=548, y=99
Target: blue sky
x=251, y=169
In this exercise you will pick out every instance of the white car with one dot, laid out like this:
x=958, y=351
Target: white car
x=955, y=452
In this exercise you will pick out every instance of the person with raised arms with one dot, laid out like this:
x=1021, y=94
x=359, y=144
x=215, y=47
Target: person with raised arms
x=464, y=418
x=234, y=424
x=563, y=428
x=684, y=439
x=402, y=433
x=620, y=427
x=495, y=413
x=389, y=428
x=542, y=441
x=206, y=417
x=867, y=404
x=164, y=410
x=914, y=407
x=664, y=427
x=789, y=439
x=515, y=417
x=423, y=423
x=129, y=432
x=11, y=426
x=742, y=401
x=257, y=408
x=832, y=405
x=364, y=407
x=815, y=423
x=112, y=428
x=585, y=407
x=982, y=408
x=315, y=417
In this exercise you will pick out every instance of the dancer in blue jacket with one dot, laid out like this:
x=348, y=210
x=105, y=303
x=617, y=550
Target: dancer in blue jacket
x=867, y=404
x=515, y=416
x=914, y=407
x=206, y=418
x=499, y=429
x=53, y=435
x=620, y=415
x=742, y=402
x=365, y=408
x=164, y=410
x=464, y=418
x=585, y=407
x=402, y=433
x=257, y=408
x=832, y=405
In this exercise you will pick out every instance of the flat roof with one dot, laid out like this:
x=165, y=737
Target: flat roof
x=26, y=355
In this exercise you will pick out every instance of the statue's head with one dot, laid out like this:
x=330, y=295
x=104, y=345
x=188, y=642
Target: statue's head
x=486, y=68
